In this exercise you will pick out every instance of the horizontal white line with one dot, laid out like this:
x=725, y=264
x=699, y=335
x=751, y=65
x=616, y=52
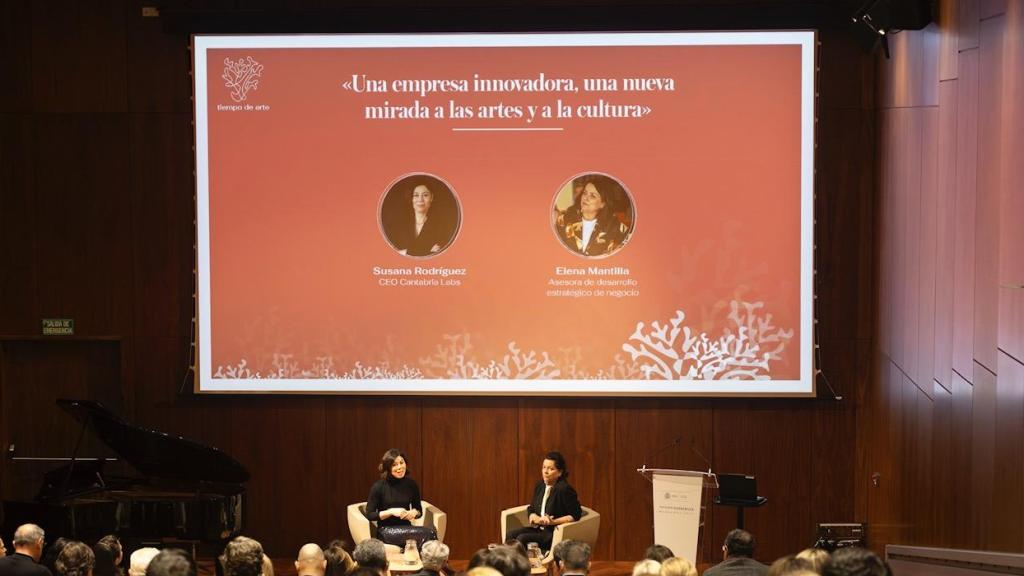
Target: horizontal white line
x=507, y=129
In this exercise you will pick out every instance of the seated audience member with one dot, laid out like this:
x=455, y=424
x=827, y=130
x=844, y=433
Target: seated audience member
x=3, y=549
x=370, y=553
x=816, y=556
x=677, y=567
x=658, y=553
x=115, y=545
x=106, y=561
x=434, y=556
x=572, y=557
x=76, y=559
x=242, y=557
x=172, y=562
x=366, y=571
x=28, y=548
x=310, y=561
x=739, y=556
x=339, y=563
x=49, y=558
x=855, y=562
x=139, y=561
x=482, y=571
x=647, y=567
x=791, y=566
x=505, y=559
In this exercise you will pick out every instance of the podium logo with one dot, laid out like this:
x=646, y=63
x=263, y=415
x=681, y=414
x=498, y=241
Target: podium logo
x=241, y=76
x=668, y=496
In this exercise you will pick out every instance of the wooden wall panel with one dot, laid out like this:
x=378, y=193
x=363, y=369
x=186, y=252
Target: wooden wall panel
x=158, y=66
x=966, y=199
x=964, y=533
x=15, y=56
x=944, y=494
x=646, y=432
x=1011, y=202
x=948, y=45
x=580, y=430
x=17, y=209
x=1008, y=447
x=945, y=234
x=782, y=477
x=470, y=449
x=927, y=212
x=986, y=247
x=66, y=34
x=983, y=437
x=967, y=24
x=80, y=175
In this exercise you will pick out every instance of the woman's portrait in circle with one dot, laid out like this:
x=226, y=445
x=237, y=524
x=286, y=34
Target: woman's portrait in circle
x=419, y=215
x=593, y=215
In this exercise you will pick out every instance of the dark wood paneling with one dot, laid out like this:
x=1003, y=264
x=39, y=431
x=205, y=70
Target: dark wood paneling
x=15, y=56
x=161, y=193
x=986, y=247
x=1008, y=476
x=944, y=493
x=964, y=535
x=158, y=68
x=80, y=175
x=646, y=432
x=983, y=436
x=17, y=209
x=580, y=430
x=780, y=470
x=470, y=448
x=78, y=56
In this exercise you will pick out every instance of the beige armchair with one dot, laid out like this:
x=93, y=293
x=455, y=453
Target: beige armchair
x=585, y=529
x=362, y=529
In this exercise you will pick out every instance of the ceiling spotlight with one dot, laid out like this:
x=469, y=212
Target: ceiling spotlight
x=881, y=32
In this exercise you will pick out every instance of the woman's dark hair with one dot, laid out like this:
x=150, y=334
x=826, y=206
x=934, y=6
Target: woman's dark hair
x=504, y=559
x=339, y=563
x=605, y=186
x=388, y=460
x=658, y=553
x=115, y=546
x=106, y=559
x=76, y=559
x=49, y=558
x=559, y=461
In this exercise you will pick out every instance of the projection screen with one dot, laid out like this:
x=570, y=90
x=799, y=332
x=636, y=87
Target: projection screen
x=518, y=214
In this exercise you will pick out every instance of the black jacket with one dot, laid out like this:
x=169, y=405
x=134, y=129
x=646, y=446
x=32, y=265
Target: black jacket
x=21, y=565
x=737, y=566
x=561, y=502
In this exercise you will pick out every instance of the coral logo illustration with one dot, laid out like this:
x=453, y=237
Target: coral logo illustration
x=241, y=76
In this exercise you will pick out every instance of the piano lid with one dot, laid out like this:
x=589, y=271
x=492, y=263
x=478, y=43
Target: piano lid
x=156, y=454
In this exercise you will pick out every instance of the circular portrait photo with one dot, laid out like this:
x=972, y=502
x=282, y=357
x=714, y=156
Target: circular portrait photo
x=419, y=215
x=593, y=215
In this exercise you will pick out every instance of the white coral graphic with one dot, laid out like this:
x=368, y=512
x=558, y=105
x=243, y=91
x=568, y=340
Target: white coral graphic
x=285, y=367
x=452, y=360
x=744, y=351
x=241, y=76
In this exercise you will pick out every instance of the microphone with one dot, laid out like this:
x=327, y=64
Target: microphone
x=674, y=442
x=693, y=447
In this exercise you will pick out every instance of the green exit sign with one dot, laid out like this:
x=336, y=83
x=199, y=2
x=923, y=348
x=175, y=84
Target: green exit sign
x=58, y=327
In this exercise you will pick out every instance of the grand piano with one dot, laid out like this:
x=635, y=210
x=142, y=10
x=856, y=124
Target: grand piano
x=188, y=492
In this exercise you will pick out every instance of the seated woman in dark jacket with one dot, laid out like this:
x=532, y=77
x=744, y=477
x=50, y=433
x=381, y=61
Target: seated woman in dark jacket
x=394, y=502
x=554, y=502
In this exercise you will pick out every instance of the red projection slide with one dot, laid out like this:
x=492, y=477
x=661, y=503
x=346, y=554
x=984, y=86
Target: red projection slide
x=518, y=214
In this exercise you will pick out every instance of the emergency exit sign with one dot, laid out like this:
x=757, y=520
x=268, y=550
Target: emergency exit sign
x=58, y=326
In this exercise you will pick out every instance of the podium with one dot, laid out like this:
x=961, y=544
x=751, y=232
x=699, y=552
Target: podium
x=679, y=501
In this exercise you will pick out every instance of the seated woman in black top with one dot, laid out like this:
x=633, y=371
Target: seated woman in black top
x=554, y=502
x=394, y=502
